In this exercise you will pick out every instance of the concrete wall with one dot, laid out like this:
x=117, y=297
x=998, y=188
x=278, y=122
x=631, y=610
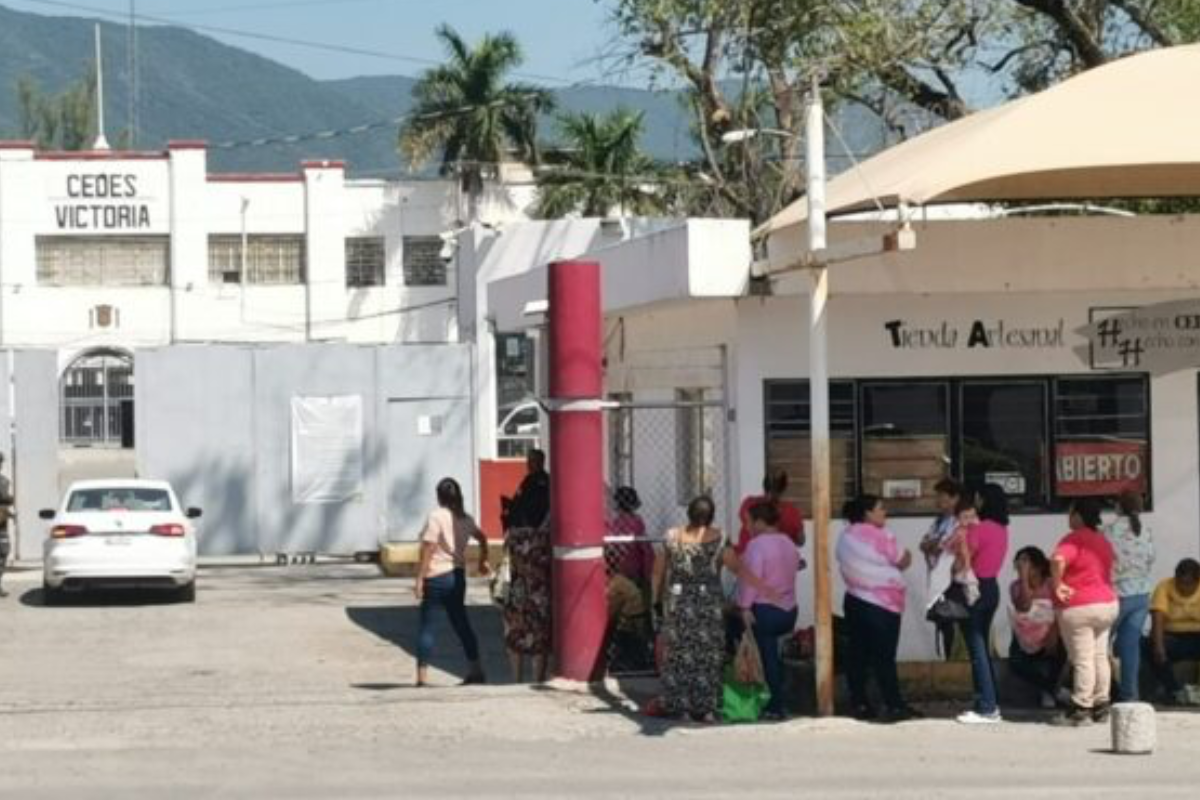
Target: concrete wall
x=216, y=422
x=35, y=462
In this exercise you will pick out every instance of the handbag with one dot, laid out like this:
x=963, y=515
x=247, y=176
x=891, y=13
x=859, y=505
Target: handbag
x=501, y=584
x=950, y=607
x=742, y=702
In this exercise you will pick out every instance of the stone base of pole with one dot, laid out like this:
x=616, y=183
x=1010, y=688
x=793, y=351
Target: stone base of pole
x=1134, y=731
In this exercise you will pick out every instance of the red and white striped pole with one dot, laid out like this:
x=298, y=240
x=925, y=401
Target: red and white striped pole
x=577, y=466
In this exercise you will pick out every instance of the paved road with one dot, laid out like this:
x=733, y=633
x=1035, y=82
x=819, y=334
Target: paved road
x=294, y=683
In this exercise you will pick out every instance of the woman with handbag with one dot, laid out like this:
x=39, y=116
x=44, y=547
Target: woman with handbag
x=442, y=578
x=873, y=564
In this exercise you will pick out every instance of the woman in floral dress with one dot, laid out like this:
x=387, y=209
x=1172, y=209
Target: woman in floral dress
x=527, y=544
x=687, y=580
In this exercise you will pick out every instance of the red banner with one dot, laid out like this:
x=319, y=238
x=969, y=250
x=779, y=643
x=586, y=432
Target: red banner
x=1089, y=469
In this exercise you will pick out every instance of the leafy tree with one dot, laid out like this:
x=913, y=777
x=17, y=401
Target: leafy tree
x=467, y=111
x=64, y=121
x=748, y=64
x=600, y=167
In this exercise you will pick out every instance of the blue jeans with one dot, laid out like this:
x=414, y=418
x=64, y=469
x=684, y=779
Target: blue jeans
x=977, y=630
x=449, y=591
x=1128, y=634
x=771, y=622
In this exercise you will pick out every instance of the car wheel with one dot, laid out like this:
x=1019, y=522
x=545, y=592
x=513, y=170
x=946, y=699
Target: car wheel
x=51, y=596
x=186, y=594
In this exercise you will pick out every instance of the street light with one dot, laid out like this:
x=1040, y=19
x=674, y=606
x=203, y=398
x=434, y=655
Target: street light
x=746, y=134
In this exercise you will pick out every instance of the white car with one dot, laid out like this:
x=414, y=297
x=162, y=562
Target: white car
x=120, y=534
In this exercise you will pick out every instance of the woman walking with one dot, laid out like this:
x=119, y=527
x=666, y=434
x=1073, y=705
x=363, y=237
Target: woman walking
x=442, y=577
x=768, y=599
x=687, y=580
x=872, y=564
x=984, y=549
x=1133, y=546
x=1087, y=608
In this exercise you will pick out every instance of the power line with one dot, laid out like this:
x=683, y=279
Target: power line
x=266, y=6
x=269, y=37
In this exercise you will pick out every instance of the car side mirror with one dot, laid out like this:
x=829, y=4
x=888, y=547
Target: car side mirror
x=194, y=513
x=47, y=513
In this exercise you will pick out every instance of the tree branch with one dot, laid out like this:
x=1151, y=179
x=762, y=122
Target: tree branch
x=1138, y=17
x=1084, y=42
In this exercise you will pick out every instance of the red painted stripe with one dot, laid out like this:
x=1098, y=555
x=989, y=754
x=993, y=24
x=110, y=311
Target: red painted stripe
x=255, y=177
x=187, y=144
x=101, y=155
x=17, y=144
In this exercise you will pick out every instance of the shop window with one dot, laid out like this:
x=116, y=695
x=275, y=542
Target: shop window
x=517, y=413
x=270, y=259
x=103, y=260
x=423, y=261
x=1045, y=440
x=1102, y=436
x=905, y=442
x=366, y=258
x=788, y=440
x=1004, y=439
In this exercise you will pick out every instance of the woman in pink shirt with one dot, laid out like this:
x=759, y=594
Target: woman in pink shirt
x=1082, y=568
x=873, y=564
x=984, y=550
x=768, y=600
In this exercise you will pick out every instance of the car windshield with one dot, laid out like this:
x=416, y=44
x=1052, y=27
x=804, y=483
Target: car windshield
x=119, y=499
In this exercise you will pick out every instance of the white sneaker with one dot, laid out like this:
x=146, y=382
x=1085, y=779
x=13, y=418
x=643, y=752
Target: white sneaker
x=975, y=718
x=1048, y=701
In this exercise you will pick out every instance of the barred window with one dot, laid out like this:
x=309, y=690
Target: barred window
x=103, y=260
x=695, y=439
x=270, y=259
x=365, y=260
x=423, y=262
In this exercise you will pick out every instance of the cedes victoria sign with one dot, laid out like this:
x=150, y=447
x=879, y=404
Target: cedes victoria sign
x=1088, y=469
x=118, y=198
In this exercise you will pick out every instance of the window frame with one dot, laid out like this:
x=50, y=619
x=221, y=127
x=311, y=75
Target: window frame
x=410, y=271
x=233, y=243
x=1053, y=503
x=356, y=270
x=146, y=244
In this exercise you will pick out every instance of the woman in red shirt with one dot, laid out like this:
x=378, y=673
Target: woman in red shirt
x=1082, y=568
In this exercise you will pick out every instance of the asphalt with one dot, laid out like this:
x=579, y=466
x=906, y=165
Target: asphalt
x=295, y=682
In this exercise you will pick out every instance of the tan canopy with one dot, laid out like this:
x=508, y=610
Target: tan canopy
x=1128, y=129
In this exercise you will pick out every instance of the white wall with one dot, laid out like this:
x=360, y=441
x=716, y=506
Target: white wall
x=771, y=343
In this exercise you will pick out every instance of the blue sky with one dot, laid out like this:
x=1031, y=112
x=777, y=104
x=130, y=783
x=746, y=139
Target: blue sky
x=560, y=37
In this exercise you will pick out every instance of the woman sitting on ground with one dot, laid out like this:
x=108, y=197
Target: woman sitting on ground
x=771, y=557
x=1035, y=654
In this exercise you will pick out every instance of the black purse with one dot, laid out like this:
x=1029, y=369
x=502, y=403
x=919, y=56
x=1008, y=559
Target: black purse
x=951, y=607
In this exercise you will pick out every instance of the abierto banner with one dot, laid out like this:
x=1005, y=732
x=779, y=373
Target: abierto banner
x=1092, y=469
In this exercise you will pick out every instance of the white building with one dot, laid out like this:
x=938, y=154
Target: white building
x=105, y=252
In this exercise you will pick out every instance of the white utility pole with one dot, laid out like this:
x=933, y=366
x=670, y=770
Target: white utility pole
x=101, y=143
x=818, y=393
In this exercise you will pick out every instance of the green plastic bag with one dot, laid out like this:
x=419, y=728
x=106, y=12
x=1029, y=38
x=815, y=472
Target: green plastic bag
x=742, y=702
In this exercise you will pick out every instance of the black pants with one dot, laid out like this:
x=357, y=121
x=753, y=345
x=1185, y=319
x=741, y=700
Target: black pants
x=874, y=639
x=5, y=548
x=1179, y=647
x=1041, y=669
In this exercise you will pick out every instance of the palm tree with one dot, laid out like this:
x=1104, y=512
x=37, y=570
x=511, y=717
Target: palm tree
x=466, y=110
x=600, y=168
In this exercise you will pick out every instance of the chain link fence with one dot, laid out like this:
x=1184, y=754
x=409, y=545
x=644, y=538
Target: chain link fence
x=658, y=457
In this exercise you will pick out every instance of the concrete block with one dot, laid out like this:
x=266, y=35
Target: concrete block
x=1133, y=728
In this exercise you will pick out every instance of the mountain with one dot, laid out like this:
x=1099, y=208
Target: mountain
x=194, y=87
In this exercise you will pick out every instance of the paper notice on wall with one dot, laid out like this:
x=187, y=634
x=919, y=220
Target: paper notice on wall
x=327, y=449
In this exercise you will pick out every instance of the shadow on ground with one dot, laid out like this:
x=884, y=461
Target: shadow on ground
x=397, y=625
x=100, y=598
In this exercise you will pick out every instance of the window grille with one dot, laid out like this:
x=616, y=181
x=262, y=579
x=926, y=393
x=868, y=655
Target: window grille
x=103, y=260
x=366, y=257
x=423, y=262
x=271, y=259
